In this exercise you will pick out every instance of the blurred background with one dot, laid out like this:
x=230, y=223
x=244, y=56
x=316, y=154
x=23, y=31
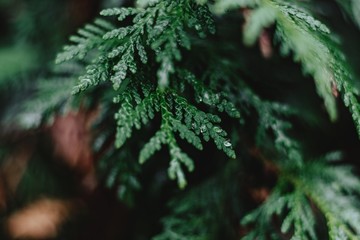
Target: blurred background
x=48, y=183
x=44, y=193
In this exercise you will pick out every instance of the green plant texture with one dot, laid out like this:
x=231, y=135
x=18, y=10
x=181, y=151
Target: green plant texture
x=212, y=94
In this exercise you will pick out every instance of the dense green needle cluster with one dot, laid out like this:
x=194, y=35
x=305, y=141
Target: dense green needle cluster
x=173, y=70
x=157, y=32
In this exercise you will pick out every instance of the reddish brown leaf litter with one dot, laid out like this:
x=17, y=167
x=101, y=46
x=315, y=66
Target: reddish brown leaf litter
x=265, y=44
x=40, y=219
x=334, y=89
x=12, y=170
x=71, y=136
x=259, y=195
x=15, y=165
x=3, y=195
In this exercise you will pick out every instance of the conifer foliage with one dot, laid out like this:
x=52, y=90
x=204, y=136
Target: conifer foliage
x=157, y=32
x=150, y=62
x=175, y=76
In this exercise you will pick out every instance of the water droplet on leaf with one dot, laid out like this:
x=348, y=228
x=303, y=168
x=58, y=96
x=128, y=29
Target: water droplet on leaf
x=227, y=144
x=203, y=129
x=217, y=130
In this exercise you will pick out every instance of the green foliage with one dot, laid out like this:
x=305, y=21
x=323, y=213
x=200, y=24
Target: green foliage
x=48, y=95
x=201, y=212
x=311, y=44
x=177, y=116
x=222, y=6
x=184, y=223
x=332, y=191
x=121, y=55
x=299, y=216
x=121, y=175
x=352, y=8
x=152, y=27
x=164, y=78
x=329, y=188
x=298, y=32
x=13, y=61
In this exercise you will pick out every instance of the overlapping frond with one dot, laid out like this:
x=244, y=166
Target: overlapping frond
x=146, y=62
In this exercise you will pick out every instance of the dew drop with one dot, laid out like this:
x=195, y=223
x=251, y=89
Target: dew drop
x=217, y=130
x=227, y=144
x=216, y=97
x=206, y=96
x=203, y=129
